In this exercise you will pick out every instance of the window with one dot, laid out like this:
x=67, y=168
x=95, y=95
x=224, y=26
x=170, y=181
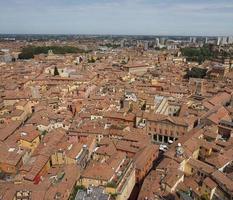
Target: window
x=160, y=138
x=155, y=137
x=165, y=139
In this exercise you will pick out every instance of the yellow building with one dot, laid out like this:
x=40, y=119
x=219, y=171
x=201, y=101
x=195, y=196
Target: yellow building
x=117, y=175
x=208, y=187
x=22, y=110
x=198, y=167
x=29, y=137
x=75, y=153
x=30, y=144
x=205, y=149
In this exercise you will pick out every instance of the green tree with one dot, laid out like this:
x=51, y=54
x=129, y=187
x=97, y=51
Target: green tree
x=30, y=51
x=195, y=72
x=112, y=184
x=198, y=54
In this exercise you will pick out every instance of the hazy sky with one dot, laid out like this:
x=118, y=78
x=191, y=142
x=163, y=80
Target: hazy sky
x=151, y=17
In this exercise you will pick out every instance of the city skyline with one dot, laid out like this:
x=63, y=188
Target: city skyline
x=116, y=100
x=120, y=17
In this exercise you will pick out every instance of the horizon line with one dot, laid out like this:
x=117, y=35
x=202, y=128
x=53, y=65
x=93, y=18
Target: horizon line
x=108, y=34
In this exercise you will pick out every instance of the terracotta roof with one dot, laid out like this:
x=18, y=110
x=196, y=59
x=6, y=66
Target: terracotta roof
x=210, y=183
x=37, y=166
x=9, y=129
x=223, y=180
x=28, y=133
x=219, y=160
x=201, y=166
x=145, y=156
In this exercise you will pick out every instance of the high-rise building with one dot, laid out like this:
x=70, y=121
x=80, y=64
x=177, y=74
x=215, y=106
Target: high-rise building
x=162, y=41
x=219, y=41
x=157, y=44
x=193, y=39
x=122, y=43
x=230, y=40
x=224, y=40
x=146, y=45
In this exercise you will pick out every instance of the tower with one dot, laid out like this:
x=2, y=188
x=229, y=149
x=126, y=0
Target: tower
x=122, y=43
x=199, y=87
x=219, y=41
x=50, y=52
x=157, y=44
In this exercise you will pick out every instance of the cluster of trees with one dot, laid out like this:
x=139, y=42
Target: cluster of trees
x=30, y=51
x=196, y=72
x=198, y=54
x=206, y=52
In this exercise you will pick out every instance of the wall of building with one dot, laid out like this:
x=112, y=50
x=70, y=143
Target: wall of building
x=160, y=130
x=206, y=190
x=86, y=182
x=128, y=187
x=30, y=145
x=57, y=158
x=10, y=169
